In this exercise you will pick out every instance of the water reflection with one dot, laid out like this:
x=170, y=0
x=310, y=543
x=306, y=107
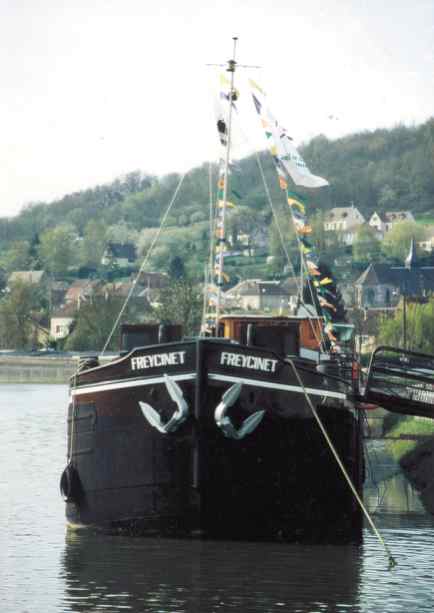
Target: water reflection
x=386, y=488
x=153, y=575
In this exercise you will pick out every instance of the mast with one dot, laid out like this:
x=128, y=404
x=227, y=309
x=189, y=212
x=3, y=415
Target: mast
x=222, y=239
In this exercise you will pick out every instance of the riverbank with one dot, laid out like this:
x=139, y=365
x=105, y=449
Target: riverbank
x=43, y=367
x=415, y=455
x=37, y=369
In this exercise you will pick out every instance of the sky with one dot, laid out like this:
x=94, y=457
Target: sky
x=93, y=89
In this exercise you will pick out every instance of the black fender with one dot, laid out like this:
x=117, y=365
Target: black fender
x=70, y=484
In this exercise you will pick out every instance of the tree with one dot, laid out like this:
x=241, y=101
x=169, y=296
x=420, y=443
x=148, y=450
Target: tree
x=244, y=220
x=17, y=257
x=95, y=321
x=58, y=248
x=366, y=246
x=181, y=302
x=176, y=268
x=397, y=241
x=16, y=310
x=122, y=233
x=93, y=244
x=282, y=242
x=420, y=327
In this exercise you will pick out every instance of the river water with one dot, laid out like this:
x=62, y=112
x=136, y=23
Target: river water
x=46, y=568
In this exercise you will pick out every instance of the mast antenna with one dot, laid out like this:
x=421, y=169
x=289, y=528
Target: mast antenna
x=231, y=66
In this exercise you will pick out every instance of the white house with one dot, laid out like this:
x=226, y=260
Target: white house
x=255, y=294
x=62, y=320
x=427, y=245
x=383, y=222
x=344, y=220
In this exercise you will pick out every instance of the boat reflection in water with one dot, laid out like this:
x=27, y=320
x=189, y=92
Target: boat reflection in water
x=114, y=573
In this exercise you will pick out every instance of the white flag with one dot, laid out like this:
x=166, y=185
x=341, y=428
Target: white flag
x=282, y=148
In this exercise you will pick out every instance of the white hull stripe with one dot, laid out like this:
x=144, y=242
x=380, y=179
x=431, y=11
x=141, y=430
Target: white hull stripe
x=129, y=383
x=108, y=386
x=277, y=386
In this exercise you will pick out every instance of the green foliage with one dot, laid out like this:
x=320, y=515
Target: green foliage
x=16, y=257
x=414, y=426
x=181, y=302
x=95, y=320
x=58, y=249
x=420, y=327
x=93, y=244
x=397, y=241
x=282, y=241
x=16, y=310
x=385, y=169
x=366, y=247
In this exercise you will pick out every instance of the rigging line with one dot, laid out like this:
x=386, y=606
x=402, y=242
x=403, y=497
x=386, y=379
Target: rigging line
x=392, y=561
x=319, y=339
x=144, y=262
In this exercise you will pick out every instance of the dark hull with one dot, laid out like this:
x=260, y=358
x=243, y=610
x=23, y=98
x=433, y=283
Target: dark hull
x=279, y=482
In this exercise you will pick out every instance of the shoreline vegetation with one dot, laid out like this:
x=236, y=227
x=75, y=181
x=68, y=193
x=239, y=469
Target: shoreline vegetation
x=421, y=428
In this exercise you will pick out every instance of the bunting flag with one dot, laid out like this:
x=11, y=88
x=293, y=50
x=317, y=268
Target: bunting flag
x=226, y=98
x=282, y=146
x=290, y=164
x=230, y=205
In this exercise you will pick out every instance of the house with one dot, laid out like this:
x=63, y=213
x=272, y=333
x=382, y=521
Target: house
x=153, y=280
x=62, y=320
x=383, y=222
x=254, y=243
x=258, y=295
x=381, y=285
x=58, y=291
x=119, y=255
x=427, y=245
x=344, y=220
x=81, y=290
x=30, y=277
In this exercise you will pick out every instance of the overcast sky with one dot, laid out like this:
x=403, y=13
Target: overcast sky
x=92, y=89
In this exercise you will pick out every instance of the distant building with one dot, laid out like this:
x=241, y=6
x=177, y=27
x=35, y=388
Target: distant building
x=383, y=222
x=344, y=220
x=58, y=291
x=153, y=280
x=30, y=277
x=62, y=320
x=81, y=290
x=427, y=245
x=120, y=255
x=258, y=295
x=381, y=285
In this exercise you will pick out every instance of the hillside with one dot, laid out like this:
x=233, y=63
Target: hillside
x=381, y=170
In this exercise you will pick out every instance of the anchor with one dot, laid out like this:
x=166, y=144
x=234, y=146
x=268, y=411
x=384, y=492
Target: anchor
x=179, y=416
x=224, y=422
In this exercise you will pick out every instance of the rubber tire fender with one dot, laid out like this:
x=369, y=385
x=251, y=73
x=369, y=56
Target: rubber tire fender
x=70, y=486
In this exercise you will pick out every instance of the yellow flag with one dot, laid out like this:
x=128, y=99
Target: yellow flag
x=255, y=85
x=297, y=204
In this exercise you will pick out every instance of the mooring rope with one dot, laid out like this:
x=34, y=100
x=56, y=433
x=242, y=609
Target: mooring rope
x=392, y=561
